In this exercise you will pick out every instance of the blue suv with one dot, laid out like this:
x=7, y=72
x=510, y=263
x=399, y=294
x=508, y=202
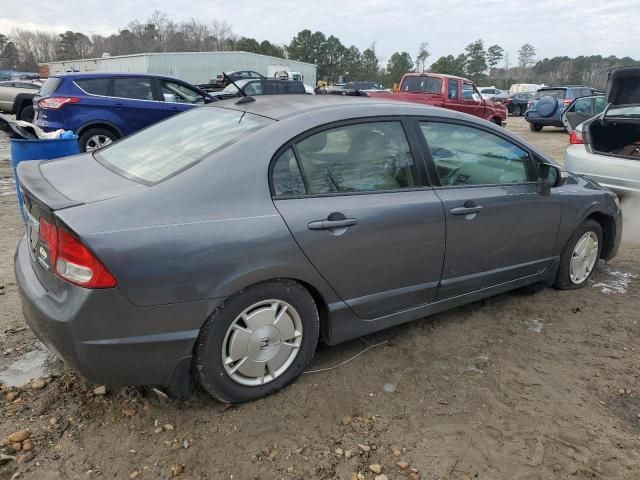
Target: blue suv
x=102, y=107
x=548, y=104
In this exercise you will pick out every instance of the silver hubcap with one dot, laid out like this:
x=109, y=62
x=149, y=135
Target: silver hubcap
x=262, y=342
x=584, y=258
x=97, y=141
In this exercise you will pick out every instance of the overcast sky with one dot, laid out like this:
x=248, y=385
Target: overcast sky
x=554, y=27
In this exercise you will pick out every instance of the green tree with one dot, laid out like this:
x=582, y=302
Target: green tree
x=423, y=55
x=476, y=63
x=449, y=65
x=526, y=55
x=369, y=64
x=399, y=64
x=268, y=48
x=245, y=44
x=10, y=57
x=307, y=47
x=495, y=53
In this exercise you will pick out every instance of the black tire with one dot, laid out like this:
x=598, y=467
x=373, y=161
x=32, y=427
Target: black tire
x=563, y=279
x=92, y=132
x=209, y=368
x=535, y=127
x=27, y=114
x=517, y=111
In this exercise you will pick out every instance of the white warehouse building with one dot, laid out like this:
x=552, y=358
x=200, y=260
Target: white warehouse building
x=193, y=67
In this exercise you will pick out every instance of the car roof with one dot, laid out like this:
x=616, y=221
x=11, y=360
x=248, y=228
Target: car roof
x=108, y=74
x=279, y=107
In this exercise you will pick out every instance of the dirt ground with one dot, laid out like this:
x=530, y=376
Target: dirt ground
x=521, y=386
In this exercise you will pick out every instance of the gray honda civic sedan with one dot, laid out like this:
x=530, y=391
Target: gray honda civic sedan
x=221, y=244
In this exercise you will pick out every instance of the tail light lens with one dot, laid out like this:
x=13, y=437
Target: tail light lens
x=72, y=261
x=54, y=103
x=530, y=104
x=575, y=138
x=567, y=102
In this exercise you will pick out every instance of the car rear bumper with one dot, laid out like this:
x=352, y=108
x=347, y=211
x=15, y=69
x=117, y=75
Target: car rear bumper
x=107, y=339
x=533, y=117
x=617, y=174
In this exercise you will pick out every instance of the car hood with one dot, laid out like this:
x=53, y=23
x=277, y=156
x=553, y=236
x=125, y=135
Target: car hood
x=623, y=86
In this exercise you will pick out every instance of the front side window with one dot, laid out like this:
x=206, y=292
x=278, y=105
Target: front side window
x=469, y=156
x=469, y=93
x=357, y=158
x=166, y=148
x=453, y=89
x=176, y=93
x=136, y=88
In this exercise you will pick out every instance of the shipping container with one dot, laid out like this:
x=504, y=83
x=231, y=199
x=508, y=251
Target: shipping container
x=193, y=67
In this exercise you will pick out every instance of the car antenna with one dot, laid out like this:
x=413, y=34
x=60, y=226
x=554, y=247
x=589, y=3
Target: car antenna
x=245, y=98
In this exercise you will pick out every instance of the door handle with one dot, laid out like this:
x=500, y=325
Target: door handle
x=468, y=208
x=329, y=224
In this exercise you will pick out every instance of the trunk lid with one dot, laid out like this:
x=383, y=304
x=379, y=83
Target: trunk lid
x=623, y=86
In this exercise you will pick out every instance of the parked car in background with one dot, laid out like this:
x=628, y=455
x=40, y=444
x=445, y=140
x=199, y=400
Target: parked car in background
x=225, y=242
x=525, y=87
x=606, y=147
x=222, y=81
x=351, y=88
x=446, y=91
x=10, y=89
x=548, y=104
x=103, y=107
x=488, y=93
x=265, y=86
x=516, y=103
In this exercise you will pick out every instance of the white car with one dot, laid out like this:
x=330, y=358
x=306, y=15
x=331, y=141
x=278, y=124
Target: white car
x=489, y=92
x=606, y=147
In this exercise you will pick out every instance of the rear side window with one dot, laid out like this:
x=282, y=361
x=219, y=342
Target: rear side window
x=357, y=158
x=94, y=86
x=50, y=86
x=166, y=148
x=422, y=84
x=287, y=179
x=559, y=93
x=136, y=88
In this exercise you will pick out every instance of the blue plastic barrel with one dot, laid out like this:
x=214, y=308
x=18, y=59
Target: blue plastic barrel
x=23, y=150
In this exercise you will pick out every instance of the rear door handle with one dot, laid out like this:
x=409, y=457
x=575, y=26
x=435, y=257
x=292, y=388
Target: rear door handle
x=465, y=210
x=329, y=224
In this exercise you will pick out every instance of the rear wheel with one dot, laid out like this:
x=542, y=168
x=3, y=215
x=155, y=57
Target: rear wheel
x=580, y=256
x=96, y=138
x=516, y=111
x=535, y=127
x=257, y=342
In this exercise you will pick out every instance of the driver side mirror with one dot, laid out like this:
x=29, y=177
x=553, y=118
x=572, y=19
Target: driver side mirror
x=552, y=176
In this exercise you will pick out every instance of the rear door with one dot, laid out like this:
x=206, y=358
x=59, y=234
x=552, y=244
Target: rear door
x=353, y=198
x=499, y=228
x=133, y=100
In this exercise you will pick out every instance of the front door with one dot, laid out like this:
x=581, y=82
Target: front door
x=499, y=228
x=352, y=197
x=472, y=102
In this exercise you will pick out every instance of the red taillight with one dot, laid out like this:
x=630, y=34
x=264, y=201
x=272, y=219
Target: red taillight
x=508, y=101
x=575, y=138
x=530, y=104
x=53, y=103
x=567, y=102
x=72, y=261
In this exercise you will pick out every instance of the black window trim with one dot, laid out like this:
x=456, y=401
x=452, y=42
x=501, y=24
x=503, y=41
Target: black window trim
x=434, y=178
x=422, y=182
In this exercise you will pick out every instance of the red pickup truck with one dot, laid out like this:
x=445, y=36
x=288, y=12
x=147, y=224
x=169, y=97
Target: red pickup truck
x=446, y=91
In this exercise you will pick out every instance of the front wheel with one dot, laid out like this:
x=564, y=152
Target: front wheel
x=580, y=256
x=257, y=342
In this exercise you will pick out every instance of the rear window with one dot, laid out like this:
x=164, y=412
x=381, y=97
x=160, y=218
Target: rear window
x=94, y=86
x=559, y=93
x=422, y=84
x=169, y=147
x=50, y=86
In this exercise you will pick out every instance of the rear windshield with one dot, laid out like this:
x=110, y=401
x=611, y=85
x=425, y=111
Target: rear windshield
x=166, y=148
x=422, y=84
x=50, y=86
x=559, y=93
